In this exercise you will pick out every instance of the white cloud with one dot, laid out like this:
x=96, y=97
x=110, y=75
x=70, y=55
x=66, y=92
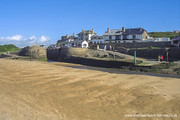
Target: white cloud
x=32, y=37
x=21, y=41
x=15, y=37
x=44, y=39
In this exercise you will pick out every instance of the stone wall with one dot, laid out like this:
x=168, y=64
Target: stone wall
x=78, y=55
x=173, y=53
x=63, y=53
x=53, y=54
x=134, y=45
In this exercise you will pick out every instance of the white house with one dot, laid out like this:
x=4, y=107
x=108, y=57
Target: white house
x=78, y=43
x=97, y=39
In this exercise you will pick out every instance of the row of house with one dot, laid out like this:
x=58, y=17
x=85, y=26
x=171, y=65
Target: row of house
x=122, y=35
x=127, y=35
x=82, y=40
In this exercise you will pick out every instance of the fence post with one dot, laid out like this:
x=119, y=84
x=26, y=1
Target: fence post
x=135, y=57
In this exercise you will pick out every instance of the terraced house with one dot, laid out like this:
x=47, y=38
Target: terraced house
x=125, y=35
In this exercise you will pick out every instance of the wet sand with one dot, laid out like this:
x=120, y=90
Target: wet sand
x=32, y=90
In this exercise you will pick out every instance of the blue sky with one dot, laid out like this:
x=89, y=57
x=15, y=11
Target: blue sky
x=24, y=22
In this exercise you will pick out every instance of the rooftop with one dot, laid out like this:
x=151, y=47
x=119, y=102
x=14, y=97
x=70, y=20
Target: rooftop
x=87, y=32
x=113, y=32
x=128, y=31
x=133, y=31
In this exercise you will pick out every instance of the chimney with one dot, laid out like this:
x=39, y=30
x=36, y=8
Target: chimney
x=123, y=29
x=108, y=30
x=66, y=35
x=82, y=30
x=73, y=34
x=92, y=30
x=140, y=29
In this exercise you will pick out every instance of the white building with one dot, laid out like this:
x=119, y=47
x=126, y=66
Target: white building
x=161, y=39
x=78, y=43
x=97, y=39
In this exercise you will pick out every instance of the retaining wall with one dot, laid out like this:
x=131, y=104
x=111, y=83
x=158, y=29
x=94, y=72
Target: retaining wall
x=134, y=45
x=78, y=55
x=173, y=53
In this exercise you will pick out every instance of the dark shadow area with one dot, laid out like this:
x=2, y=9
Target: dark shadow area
x=120, y=71
x=116, y=67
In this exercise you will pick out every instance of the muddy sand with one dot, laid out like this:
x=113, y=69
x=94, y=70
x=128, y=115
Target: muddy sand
x=32, y=90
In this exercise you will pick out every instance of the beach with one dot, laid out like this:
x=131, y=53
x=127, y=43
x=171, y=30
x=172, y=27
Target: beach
x=32, y=90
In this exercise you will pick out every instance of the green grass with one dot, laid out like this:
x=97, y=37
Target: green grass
x=10, y=47
x=143, y=64
x=163, y=34
x=159, y=67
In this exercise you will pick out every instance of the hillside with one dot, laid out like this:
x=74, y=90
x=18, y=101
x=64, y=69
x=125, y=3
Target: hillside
x=163, y=34
x=10, y=47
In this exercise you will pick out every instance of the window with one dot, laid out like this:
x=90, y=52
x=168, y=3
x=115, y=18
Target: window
x=118, y=37
x=125, y=37
x=134, y=36
x=130, y=36
x=110, y=37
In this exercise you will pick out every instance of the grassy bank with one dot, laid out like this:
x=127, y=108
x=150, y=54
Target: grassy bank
x=162, y=34
x=10, y=47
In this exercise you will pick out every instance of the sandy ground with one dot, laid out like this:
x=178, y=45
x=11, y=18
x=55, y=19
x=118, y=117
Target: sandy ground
x=50, y=91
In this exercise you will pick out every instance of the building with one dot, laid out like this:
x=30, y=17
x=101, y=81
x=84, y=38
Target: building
x=66, y=39
x=125, y=35
x=86, y=35
x=97, y=39
x=78, y=43
x=175, y=41
x=161, y=39
x=176, y=31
